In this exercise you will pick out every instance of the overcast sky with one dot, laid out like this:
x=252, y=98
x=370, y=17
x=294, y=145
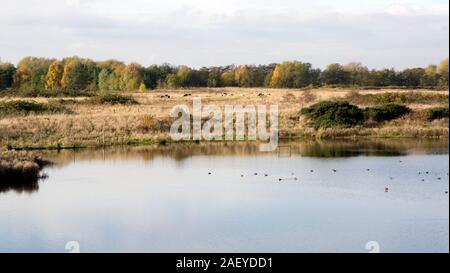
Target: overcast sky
x=379, y=33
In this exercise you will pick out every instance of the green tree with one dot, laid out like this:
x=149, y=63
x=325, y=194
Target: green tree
x=172, y=81
x=214, y=77
x=103, y=79
x=109, y=78
x=227, y=78
x=358, y=74
x=335, y=74
x=385, y=77
x=184, y=76
x=411, y=77
x=7, y=71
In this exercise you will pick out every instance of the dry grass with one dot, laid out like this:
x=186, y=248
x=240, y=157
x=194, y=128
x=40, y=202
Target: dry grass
x=149, y=120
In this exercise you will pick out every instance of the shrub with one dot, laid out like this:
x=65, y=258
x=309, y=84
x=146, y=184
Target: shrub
x=21, y=107
x=399, y=97
x=437, y=113
x=34, y=93
x=386, y=112
x=113, y=99
x=327, y=114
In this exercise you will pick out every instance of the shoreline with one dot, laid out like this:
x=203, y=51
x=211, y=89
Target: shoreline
x=168, y=142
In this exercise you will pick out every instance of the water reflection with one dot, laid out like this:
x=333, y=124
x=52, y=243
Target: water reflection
x=320, y=149
x=207, y=198
x=28, y=186
x=182, y=151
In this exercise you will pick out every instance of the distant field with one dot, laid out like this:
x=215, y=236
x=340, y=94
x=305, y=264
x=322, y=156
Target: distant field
x=82, y=122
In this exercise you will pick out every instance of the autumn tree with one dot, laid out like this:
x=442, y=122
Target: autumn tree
x=109, y=78
x=54, y=75
x=442, y=70
x=76, y=75
x=430, y=77
x=294, y=75
x=31, y=73
x=243, y=77
x=132, y=77
x=275, y=80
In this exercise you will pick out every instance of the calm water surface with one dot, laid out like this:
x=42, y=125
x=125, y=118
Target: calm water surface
x=150, y=199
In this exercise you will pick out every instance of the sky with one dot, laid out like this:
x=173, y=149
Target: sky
x=378, y=33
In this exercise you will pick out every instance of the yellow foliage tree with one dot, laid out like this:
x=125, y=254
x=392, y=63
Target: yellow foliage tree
x=442, y=70
x=54, y=75
x=142, y=87
x=443, y=67
x=276, y=76
x=242, y=76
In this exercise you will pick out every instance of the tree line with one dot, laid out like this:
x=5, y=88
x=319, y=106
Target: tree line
x=74, y=73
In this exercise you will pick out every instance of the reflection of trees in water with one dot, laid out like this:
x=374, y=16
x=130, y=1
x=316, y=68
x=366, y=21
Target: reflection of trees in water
x=183, y=151
x=28, y=185
x=351, y=148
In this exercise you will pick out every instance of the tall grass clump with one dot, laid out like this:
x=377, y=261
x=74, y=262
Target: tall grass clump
x=113, y=99
x=333, y=114
x=437, y=113
x=19, y=172
x=386, y=112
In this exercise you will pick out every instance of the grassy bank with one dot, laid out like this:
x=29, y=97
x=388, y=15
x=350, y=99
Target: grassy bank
x=143, y=118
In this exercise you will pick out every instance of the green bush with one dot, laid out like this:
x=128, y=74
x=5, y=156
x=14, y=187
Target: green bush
x=398, y=97
x=113, y=99
x=35, y=93
x=437, y=113
x=20, y=107
x=329, y=114
x=386, y=112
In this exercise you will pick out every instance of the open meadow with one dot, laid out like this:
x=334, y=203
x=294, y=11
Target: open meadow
x=144, y=118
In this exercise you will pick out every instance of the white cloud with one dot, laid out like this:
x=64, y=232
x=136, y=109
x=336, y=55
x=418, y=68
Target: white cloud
x=211, y=32
x=399, y=10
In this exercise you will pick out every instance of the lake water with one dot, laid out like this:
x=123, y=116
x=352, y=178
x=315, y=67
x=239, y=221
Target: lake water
x=229, y=198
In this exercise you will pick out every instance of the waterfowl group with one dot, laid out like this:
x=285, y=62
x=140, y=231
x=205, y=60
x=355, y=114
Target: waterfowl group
x=294, y=178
